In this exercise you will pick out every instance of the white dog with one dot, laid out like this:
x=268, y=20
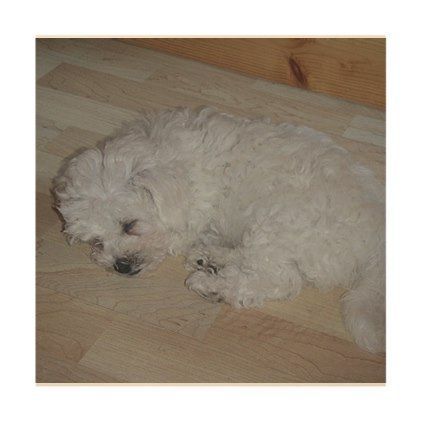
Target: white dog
x=258, y=209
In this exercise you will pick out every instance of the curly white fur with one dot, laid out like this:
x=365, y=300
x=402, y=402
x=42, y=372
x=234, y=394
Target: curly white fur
x=258, y=209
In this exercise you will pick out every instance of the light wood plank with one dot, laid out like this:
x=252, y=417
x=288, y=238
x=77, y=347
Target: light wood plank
x=48, y=224
x=372, y=156
x=96, y=54
x=245, y=346
x=53, y=370
x=67, y=328
x=135, y=352
x=169, y=89
x=68, y=141
x=119, y=93
x=236, y=95
x=194, y=89
x=366, y=129
x=313, y=309
x=335, y=105
x=45, y=64
x=68, y=110
x=306, y=355
x=46, y=130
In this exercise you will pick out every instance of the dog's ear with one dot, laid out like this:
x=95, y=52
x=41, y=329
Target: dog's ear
x=70, y=238
x=80, y=180
x=58, y=191
x=167, y=190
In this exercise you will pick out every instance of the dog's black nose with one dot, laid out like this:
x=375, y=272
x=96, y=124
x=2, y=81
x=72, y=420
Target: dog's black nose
x=122, y=266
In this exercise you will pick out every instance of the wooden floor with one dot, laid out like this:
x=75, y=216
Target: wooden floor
x=94, y=326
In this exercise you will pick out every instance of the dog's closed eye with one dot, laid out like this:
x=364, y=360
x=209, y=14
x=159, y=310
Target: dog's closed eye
x=128, y=227
x=98, y=244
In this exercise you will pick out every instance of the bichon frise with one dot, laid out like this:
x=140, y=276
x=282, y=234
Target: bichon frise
x=258, y=209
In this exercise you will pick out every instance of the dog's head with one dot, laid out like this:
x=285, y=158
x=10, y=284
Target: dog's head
x=120, y=203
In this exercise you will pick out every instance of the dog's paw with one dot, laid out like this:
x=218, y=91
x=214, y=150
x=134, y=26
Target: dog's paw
x=206, y=265
x=200, y=262
x=204, y=285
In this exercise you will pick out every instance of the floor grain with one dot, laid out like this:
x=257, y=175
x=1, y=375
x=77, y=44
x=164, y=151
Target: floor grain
x=94, y=326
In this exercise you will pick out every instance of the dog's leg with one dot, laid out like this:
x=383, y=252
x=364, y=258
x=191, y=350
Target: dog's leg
x=206, y=285
x=241, y=286
x=236, y=289
x=364, y=317
x=209, y=258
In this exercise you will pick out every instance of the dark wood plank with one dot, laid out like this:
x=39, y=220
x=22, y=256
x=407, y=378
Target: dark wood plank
x=350, y=68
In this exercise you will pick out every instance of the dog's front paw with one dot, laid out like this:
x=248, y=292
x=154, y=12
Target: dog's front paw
x=200, y=262
x=205, y=264
x=204, y=285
